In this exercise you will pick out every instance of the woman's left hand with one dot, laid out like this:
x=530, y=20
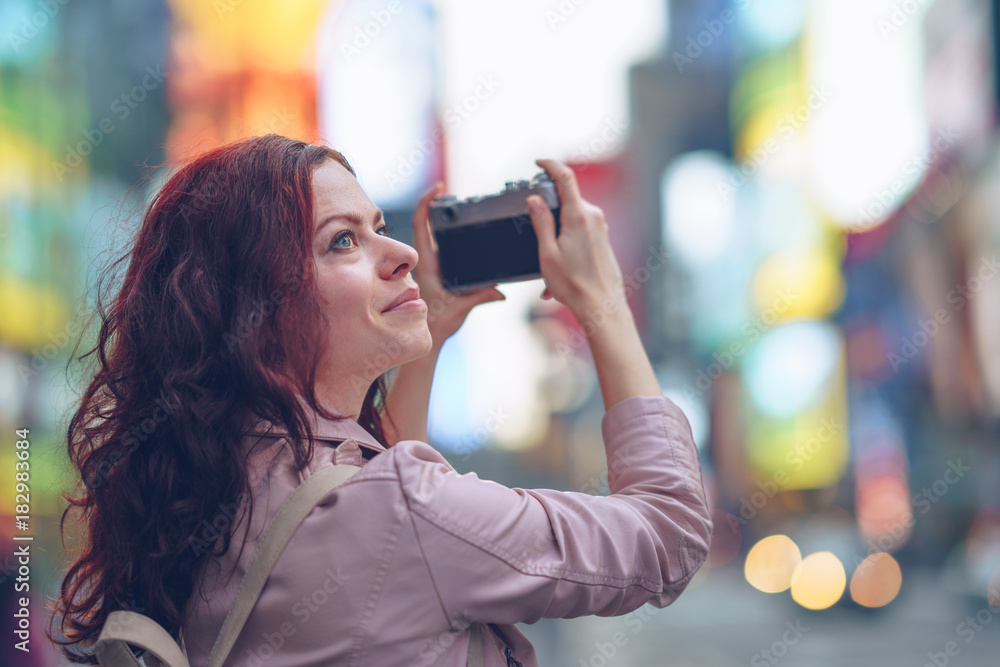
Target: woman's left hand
x=445, y=311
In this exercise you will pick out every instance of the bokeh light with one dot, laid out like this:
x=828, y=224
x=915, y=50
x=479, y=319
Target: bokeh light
x=820, y=582
x=697, y=223
x=772, y=564
x=876, y=581
x=792, y=366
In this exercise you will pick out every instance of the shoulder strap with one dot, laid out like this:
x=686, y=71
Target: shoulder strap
x=291, y=513
x=476, y=645
x=138, y=629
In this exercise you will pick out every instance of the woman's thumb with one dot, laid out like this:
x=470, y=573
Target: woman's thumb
x=494, y=295
x=485, y=296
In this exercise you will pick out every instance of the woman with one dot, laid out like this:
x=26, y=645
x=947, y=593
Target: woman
x=247, y=348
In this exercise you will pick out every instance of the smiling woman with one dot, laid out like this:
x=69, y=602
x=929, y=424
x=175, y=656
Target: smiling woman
x=408, y=562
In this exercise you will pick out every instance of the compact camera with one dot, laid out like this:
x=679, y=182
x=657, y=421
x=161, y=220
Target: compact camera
x=489, y=239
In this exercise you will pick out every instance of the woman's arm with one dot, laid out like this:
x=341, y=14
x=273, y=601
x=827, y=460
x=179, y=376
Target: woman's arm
x=511, y=555
x=409, y=398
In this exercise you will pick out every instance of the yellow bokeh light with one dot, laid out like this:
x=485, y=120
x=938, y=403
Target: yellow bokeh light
x=877, y=580
x=38, y=320
x=812, y=278
x=261, y=35
x=772, y=563
x=821, y=581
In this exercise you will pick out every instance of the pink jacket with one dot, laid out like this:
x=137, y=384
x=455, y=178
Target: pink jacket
x=412, y=552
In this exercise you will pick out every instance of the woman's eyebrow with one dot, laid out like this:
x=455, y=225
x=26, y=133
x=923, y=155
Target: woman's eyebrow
x=354, y=218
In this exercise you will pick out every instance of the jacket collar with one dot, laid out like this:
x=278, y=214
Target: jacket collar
x=343, y=428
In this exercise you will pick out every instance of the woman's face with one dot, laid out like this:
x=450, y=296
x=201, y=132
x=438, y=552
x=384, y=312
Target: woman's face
x=360, y=271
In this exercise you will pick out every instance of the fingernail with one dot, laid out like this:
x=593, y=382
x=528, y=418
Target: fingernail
x=535, y=204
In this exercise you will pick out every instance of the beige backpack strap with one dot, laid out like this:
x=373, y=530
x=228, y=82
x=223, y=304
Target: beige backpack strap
x=139, y=630
x=476, y=645
x=291, y=513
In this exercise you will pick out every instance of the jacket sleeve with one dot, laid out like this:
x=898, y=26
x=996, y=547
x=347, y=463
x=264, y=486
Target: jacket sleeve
x=508, y=555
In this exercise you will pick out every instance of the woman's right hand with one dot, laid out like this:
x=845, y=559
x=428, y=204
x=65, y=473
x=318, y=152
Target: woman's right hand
x=579, y=265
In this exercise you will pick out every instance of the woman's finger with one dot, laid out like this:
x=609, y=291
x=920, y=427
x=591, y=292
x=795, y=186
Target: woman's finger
x=488, y=294
x=545, y=226
x=423, y=236
x=566, y=185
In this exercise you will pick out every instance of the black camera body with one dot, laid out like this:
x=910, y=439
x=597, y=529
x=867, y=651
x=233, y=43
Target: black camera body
x=489, y=239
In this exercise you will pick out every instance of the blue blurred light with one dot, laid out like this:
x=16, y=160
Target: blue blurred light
x=791, y=367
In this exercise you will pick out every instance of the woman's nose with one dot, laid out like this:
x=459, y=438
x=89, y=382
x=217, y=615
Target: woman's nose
x=402, y=257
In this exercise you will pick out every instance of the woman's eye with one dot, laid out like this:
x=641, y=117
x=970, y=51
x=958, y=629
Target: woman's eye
x=335, y=243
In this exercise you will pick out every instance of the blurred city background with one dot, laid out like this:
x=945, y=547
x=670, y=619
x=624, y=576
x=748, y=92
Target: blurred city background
x=804, y=199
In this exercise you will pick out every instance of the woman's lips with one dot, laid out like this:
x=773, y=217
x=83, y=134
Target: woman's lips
x=412, y=304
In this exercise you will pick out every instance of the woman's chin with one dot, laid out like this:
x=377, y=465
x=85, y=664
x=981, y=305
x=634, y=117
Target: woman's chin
x=428, y=343
x=418, y=345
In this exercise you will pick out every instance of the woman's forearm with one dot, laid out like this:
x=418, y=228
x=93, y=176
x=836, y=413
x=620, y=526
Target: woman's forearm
x=623, y=367
x=409, y=399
